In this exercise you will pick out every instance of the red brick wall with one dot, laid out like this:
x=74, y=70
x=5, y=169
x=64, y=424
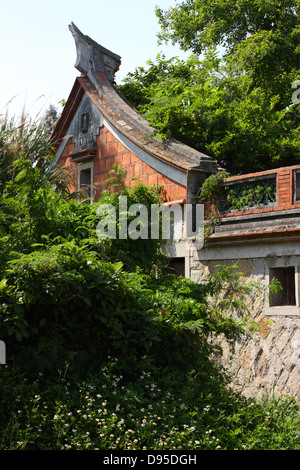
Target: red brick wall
x=109, y=152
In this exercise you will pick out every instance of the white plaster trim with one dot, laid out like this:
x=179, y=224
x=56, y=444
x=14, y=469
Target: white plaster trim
x=70, y=131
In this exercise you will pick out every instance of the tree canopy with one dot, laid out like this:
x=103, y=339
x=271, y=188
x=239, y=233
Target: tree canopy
x=235, y=103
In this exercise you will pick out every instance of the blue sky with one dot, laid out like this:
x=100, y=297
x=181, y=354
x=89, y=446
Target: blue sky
x=38, y=54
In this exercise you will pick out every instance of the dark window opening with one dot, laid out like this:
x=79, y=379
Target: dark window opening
x=176, y=266
x=84, y=123
x=286, y=277
x=297, y=186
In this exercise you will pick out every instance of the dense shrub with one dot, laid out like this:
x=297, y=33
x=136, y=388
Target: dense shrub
x=103, y=351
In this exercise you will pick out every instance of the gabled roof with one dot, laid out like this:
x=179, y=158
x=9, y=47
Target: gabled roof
x=98, y=67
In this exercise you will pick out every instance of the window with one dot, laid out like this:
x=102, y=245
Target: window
x=176, y=266
x=297, y=187
x=286, y=277
x=85, y=182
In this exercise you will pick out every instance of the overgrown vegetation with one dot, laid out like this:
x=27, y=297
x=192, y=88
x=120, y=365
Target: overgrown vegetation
x=105, y=352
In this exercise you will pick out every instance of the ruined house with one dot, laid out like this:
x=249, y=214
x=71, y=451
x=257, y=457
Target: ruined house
x=99, y=128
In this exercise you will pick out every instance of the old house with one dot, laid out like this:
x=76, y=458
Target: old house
x=99, y=128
